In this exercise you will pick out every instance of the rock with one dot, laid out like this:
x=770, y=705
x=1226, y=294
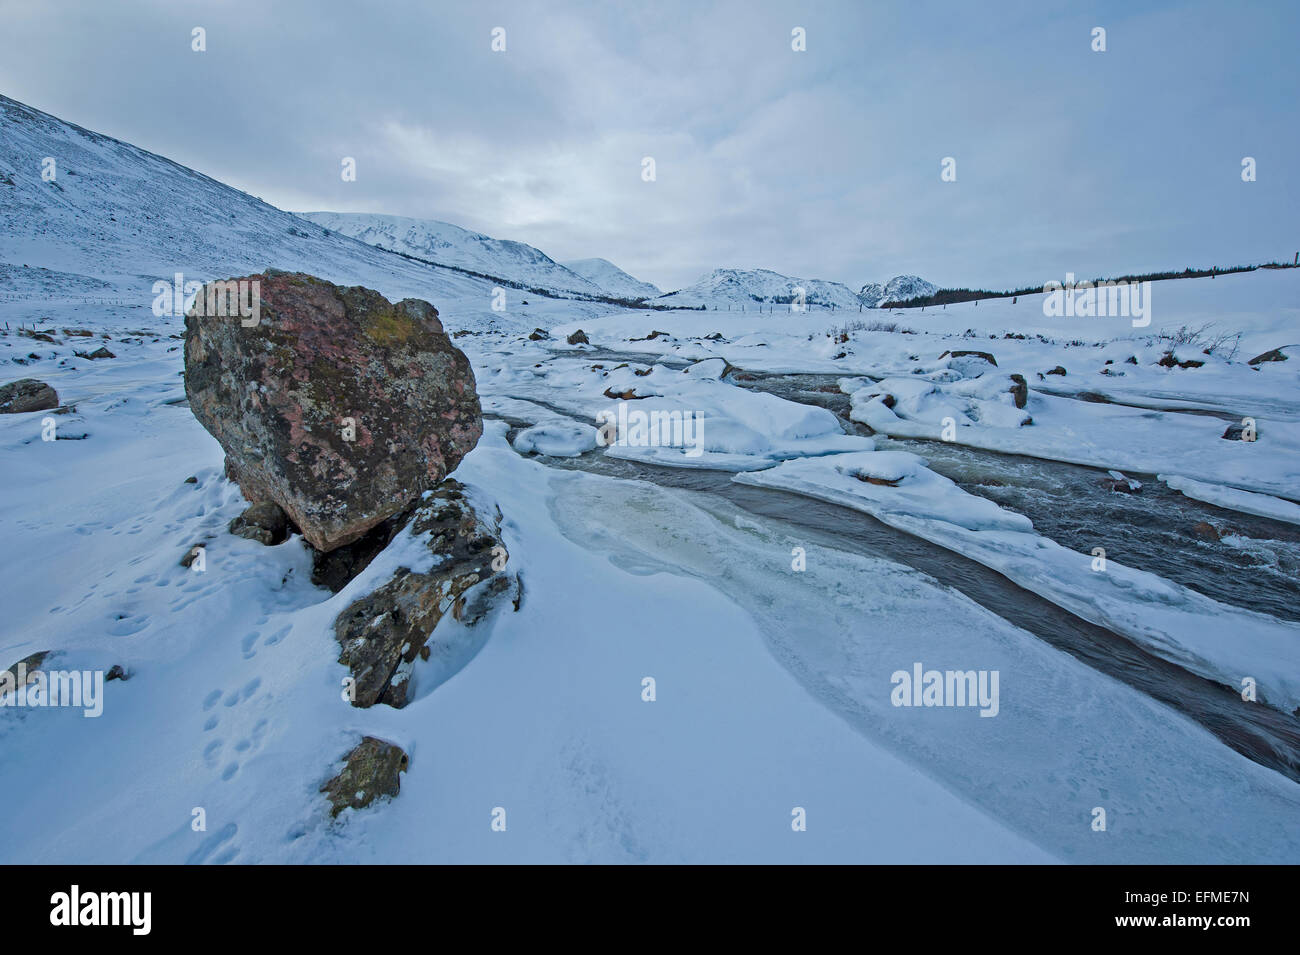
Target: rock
x=27, y=394
x=334, y=569
x=1020, y=390
x=78, y=332
x=117, y=672
x=538, y=335
x=1131, y=360
x=1169, y=361
x=651, y=337
x=1058, y=370
x=1275, y=354
x=715, y=337
x=100, y=352
x=578, y=338
x=10, y=679
x=1237, y=432
x=1205, y=531
x=382, y=633
x=1116, y=481
x=626, y=395
x=192, y=554
x=265, y=523
x=971, y=354
x=337, y=405
x=372, y=769
x=37, y=336
x=192, y=479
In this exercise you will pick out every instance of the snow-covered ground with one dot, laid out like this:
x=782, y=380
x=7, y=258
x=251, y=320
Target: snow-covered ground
x=773, y=655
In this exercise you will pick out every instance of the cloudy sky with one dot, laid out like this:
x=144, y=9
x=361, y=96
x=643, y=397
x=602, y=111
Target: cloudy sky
x=821, y=164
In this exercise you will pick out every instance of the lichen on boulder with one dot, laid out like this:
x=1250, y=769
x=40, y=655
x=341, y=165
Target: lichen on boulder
x=336, y=404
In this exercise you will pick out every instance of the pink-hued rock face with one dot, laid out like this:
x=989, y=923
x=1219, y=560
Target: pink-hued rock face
x=336, y=404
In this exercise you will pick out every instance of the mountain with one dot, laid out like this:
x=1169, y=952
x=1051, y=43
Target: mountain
x=116, y=218
x=752, y=287
x=448, y=244
x=612, y=279
x=898, y=289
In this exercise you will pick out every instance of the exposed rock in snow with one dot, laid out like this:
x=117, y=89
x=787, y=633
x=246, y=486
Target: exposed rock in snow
x=383, y=632
x=27, y=394
x=337, y=405
x=372, y=769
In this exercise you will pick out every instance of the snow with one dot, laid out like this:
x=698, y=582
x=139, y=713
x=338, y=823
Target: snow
x=1228, y=497
x=754, y=287
x=448, y=244
x=611, y=279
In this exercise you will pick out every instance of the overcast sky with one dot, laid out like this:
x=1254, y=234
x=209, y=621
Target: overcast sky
x=821, y=164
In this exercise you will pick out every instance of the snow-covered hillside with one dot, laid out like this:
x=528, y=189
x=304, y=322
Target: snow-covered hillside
x=612, y=279
x=449, y=244
x=753, y=287
x=901, y=288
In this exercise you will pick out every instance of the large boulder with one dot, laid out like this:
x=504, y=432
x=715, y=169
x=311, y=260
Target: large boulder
x=27, y=394
x=334, y=403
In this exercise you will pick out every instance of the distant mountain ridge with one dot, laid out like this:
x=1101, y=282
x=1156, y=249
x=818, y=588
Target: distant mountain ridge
x=752, y=287
x=900, y=288
x=612, y=279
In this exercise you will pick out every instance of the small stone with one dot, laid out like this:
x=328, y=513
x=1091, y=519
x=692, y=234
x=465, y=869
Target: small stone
x=265, y=522
x=578, y=338
x=1058, y=370
x=117, y=672
x=372, y=769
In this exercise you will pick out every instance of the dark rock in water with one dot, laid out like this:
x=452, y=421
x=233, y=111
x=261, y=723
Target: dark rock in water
x=382, y=633
x=1058, y=370
x=100, y=352
x=1205, y=531
x=971, y=354
x=1020, y=390
x=1275, y=354
x=538, y=335
x=27, y=394
x=265, y=523
x=578, y=338
x=117, y=672
x=334, y=403
x=372, y=769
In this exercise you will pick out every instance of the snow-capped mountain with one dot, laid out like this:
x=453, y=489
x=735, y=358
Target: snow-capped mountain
x=612, y=279
x=448, y=244
x=116, y=218
x=898, y=289
x=750, y=287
